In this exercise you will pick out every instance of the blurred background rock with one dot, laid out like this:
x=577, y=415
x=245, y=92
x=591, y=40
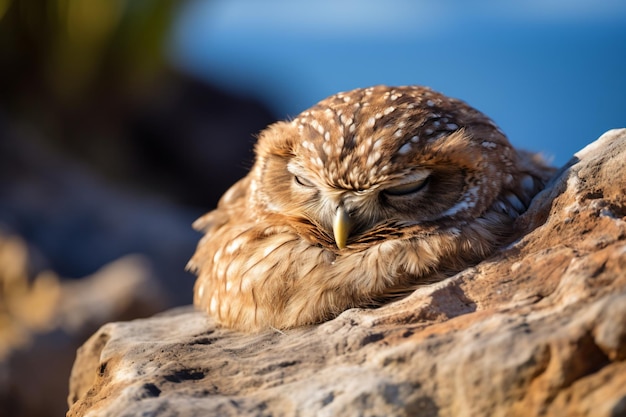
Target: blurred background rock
x=121, y=121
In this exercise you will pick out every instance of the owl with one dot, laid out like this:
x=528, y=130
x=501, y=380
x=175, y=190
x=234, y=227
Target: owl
x=359, y=200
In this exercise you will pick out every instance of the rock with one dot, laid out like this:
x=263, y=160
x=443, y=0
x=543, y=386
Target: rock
x=537, y=329
x=44, y=319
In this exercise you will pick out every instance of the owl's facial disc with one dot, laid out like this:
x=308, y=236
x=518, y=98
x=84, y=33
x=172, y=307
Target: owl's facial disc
x=342, y=213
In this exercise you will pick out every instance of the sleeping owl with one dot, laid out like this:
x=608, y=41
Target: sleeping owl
x=358, y=200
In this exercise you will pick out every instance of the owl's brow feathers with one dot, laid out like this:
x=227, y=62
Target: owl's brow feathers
x=355, y=137
x=366, y=195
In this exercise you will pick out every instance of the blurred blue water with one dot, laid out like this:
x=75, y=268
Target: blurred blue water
x=551, y=73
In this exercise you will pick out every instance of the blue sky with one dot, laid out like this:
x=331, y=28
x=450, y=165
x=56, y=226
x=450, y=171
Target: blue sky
x=551, y=73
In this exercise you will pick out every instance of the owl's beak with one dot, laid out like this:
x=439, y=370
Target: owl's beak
x=341, y=227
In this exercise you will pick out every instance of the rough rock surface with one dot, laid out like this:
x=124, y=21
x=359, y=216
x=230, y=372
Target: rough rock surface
x=538, y=329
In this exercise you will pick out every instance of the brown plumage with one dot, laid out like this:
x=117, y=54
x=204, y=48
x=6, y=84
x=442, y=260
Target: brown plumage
x=368, y=194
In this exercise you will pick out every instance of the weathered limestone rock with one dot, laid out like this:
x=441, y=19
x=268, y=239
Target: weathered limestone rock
x=537, y=329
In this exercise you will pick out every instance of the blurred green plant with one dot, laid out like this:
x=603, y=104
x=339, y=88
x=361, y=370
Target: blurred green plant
x=67, y=48
x=74, y=72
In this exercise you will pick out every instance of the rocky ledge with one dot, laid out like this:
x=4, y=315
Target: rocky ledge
x=537, y=329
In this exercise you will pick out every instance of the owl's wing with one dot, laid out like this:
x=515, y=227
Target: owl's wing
x=537, y=167
x=233, y=201
x=231, y=206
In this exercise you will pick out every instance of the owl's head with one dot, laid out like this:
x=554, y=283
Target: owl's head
x=381, y=161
